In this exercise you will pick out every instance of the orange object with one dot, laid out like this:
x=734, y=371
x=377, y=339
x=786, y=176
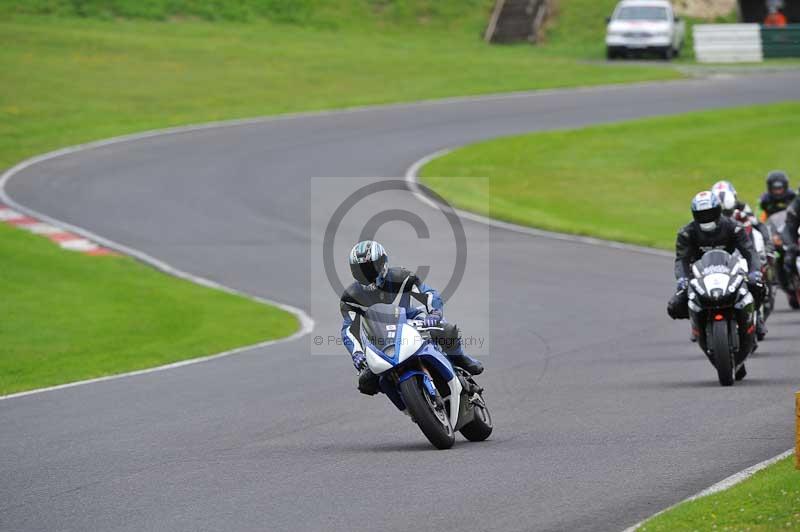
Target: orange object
x=775, y=20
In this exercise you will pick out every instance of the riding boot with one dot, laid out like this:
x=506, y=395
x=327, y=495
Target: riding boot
x=449, y=340
x=463, y=360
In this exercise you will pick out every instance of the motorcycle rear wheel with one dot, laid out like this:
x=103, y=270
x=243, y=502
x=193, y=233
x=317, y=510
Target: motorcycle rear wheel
x=723, y=359
x=429, y=414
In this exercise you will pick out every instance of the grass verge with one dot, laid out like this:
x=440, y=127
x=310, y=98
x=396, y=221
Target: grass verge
x=769, y=500
x=68, y=316
x=71, y=80
x=630, y=182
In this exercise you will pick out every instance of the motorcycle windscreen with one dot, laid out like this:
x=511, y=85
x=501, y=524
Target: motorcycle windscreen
x=380, y=322
x=716, y=261
x=778, y=220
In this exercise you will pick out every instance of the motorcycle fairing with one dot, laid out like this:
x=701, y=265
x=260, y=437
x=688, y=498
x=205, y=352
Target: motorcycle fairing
x=435, y=361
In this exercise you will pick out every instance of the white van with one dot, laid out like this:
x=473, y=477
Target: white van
x=644, y=26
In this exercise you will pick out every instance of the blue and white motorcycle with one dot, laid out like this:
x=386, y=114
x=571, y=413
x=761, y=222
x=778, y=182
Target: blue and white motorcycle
x=419, y=379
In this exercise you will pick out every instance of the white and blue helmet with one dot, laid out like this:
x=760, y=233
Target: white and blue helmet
x=706, y=210
x=368, y=260
x=726, y=194
x=723, y=185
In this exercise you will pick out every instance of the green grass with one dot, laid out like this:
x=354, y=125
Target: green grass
x=67, y=79
x=72, y=71
x=769, y=500
x=68, y=316
x=320, y=13
x=630, y=182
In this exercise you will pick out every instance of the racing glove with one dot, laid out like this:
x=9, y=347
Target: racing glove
x=682, y=284
x=755, y=277
x=432, y=320
x=359, y=360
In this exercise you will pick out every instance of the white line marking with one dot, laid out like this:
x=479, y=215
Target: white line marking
x=734, y=479
x=173, y=365
x=78, y=244
x=40, y=228
x=412, y=176
x=722, y=485
x=9, y=215
x=306, y=322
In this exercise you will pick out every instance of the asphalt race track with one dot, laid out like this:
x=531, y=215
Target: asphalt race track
x=604, y=412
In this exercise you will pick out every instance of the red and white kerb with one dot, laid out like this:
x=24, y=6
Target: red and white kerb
x=65, y=239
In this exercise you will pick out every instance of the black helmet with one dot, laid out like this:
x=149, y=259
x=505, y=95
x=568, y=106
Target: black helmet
x=368, y=260
x=706, y=210
x=777, y=183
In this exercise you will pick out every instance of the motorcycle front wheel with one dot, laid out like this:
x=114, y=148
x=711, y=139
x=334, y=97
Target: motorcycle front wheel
x=721, y=347
x=428, y=412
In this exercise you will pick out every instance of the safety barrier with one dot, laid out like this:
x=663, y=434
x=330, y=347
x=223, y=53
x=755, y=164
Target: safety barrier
x=781, y=42
x=728, y=43
x=744, y=43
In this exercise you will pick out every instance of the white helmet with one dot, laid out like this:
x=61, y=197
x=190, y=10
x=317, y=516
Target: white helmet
x=726, y=194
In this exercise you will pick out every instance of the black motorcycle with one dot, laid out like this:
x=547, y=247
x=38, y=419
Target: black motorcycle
x=718, y=294
x=788, y=283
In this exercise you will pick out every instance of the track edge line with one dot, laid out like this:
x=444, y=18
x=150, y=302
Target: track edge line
x=720, y=486
x=306, y=323
x=412, y=180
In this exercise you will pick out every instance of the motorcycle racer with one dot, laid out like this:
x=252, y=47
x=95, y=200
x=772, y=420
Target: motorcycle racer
x=789, y=236
x=710, y=230
x=737, y=209
x=778, y=195
x=760, y=237
x=375, y=282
